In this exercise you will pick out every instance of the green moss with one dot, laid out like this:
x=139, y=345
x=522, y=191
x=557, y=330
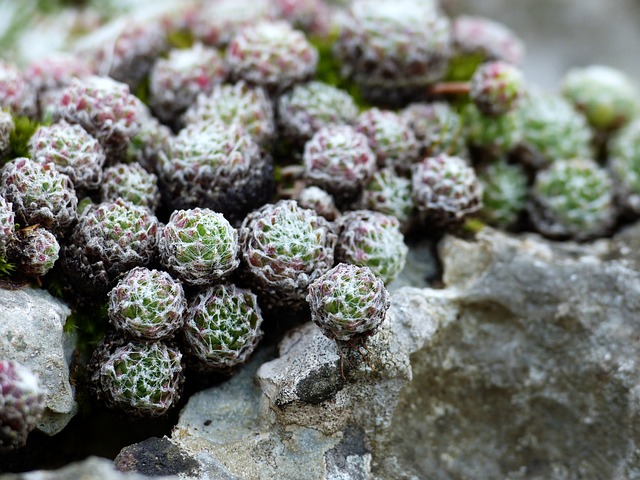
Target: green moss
x=462, y=67
x=142, y=90
x=180, y=39
x=473, y=226
x=6, y=267
x=90, y=325
x=21, y=134
x=328, y=70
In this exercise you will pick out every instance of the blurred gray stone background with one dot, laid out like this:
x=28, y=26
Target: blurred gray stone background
x=560, y=34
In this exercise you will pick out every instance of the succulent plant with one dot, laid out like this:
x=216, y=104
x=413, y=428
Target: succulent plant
x=573, y=198
x=445, y=189
x=140, y=378
x=103, y=107
x=437, y=127
x=473, y=35
x=6, y=127
x=199, y=246
x=53, y=72
x=217, y=22
x=391, y=45
x=390, y=138
x=130, y=182
x=311, y=16
x=505, y=193
x=218, y=167
x=110, y=239
x=314, y=198
x=308, y=107
x=339, y=160
x=237, y=104
x=390, y=194
x=16, y=94
x=39, y=194
x=284, y=248
x=607, y=97
x=36, y=250
x=7, y=226
x=176, y=81
x=624, y=164
x=22, y=403
x=495, y=135
x=147, y=305
x=348, y=302
x=223, y=326
x=272, y=55
x=73, y=152
x=552, y=130
x=496, y=87
x=129, y=56
x=371, y=239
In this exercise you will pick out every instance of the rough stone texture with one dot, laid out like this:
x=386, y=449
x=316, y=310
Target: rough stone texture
x=538, y=376
x=31, y=332
x=524, y=367
x=154, y=457
x=93, y=468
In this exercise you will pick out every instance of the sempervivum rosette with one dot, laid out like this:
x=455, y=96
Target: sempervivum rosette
x=218, y=167
x=223, y=327
x=348, y=303
x=272, y=55
x=284, y=248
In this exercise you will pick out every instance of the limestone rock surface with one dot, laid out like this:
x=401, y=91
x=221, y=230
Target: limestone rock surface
x=32, y=333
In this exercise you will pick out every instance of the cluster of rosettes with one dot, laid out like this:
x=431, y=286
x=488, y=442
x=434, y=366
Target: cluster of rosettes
x=22, y=403
x=146, y=145
x=272, y=55
x=495, y=135
x=110, y=239
x=308, y=107
x=237, y=104
x=339, y=160
x=391, y=45
x=284, y=248
x=348, y=302
x=176, y=81
x=505, y=193
x=199, y=246
x=445, y=189
x=218, y=167
x=147, y=305
x=371, y=239
x=73, y=152
x=39, y=194
x=437, y=127
x=314, y=198
x=103, y=107
x=390, y=194
x=553, y=130
x=311, y=16
x=223, y=327
x=140, y=378
x=130, y=182
x=573, y=198
x=390, y=138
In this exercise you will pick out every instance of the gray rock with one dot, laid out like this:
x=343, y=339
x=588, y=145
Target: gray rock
x=155, y=457
x=93, y=468
x=538, y=376
x=31, y=332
